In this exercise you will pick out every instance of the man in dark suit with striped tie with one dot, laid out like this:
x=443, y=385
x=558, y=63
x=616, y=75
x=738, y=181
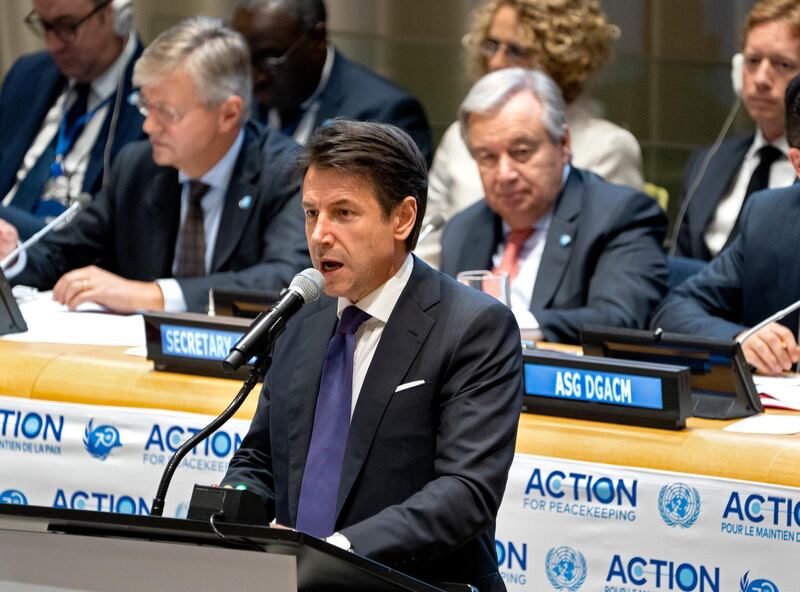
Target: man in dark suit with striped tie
x=206, y=202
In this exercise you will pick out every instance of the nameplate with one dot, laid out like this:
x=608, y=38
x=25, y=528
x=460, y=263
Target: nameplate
x=585, y=387
x=199, y=343
x=193, y=343
x=596, y=387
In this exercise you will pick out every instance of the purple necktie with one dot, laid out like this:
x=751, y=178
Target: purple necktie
x=316, y=513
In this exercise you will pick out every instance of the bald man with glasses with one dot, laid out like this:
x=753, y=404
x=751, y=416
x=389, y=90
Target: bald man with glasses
x=63, y=117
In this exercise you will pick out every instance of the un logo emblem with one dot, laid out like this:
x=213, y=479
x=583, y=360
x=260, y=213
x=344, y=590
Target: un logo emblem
x=759, y=585
x=566, y=568
x=679, y=505
x=101, y=440
x=13, y=496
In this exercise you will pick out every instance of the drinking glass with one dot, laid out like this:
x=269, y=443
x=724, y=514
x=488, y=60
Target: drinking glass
x=493, y=283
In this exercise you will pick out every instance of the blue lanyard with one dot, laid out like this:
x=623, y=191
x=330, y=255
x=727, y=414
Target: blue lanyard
x=66, y=138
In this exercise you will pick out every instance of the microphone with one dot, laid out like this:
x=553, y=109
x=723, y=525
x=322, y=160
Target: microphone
x=770, y=319
x=432, y=226
x=64, y=218
x=306, y=287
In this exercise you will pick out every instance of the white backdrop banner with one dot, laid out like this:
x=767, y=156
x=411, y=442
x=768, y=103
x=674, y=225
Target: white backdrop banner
x=563, y=525
x=90, y=457
x=570, y=526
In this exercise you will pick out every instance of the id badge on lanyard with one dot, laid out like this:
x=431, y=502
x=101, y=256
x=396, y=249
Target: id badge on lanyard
x=66, y=139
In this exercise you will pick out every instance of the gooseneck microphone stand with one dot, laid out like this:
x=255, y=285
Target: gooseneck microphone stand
x=257, y=373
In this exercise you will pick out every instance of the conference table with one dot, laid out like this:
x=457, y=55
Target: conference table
x=592, y=496
x=106, y=375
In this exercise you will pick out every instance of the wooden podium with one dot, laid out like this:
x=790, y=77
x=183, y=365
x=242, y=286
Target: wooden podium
x=55, y=549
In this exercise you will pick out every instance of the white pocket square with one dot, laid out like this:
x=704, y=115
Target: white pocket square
x=409, y=385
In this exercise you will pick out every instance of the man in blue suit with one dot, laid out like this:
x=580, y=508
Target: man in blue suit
x=578, y=250
x=398, y=449
x=758, y=275
x=206, y=202
x=301, y=81
x=64, y=113
x=718, y=183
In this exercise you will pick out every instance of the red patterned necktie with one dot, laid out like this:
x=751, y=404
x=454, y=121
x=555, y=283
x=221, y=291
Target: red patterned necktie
x=510, y=260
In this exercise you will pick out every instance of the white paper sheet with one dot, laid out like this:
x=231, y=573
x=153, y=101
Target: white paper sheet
x=767, y=424
x=51, y=322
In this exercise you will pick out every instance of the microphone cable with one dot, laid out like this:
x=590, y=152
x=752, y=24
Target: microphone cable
x=115, y=113
x=700, y=174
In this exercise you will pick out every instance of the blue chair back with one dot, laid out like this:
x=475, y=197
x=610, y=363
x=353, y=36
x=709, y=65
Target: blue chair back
x=681, y=269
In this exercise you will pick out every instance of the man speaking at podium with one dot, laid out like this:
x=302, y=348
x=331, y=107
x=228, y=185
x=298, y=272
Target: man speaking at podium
x=206, y=202
x=755, y=277
x=388, y=419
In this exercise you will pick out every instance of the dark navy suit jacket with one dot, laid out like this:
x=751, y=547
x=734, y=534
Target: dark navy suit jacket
x=356, y=92
x=29, y=90
x=132, y=225
x=603, y=263
x=425, y=468
x=715, y=183
x=756, y=276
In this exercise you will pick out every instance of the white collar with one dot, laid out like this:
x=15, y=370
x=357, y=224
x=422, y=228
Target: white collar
x=781, y=143
x=380, y=303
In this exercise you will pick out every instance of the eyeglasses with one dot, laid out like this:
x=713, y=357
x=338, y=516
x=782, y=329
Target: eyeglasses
x=515, y=53
x=166, y=114
x=66, y=29
x=267, y=62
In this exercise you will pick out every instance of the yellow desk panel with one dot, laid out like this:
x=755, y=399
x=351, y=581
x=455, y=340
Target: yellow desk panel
x=103, y=375
x=702, y=448
x=107, y=376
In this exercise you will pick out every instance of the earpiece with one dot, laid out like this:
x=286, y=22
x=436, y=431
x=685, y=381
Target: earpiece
x=122, y=15
x=737, y=73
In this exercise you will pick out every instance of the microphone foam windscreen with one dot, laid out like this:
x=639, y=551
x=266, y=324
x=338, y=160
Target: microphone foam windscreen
x=308, y=284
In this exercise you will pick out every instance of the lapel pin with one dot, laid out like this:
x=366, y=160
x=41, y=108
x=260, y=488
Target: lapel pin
x=245, y=202
x=564, y=240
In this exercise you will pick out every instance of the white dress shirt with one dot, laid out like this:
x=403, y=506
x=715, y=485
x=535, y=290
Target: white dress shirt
x=781, y=174
x=379, y=304
x=218, y=179
x=530, y=256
